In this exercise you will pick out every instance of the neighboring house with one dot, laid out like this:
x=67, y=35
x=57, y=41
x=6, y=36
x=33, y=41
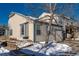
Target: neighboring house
x=3, y=30
x=66, y=21
x=24, y=27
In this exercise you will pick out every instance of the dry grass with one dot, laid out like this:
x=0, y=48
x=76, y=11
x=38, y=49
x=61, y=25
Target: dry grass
x=10, y=45
x=74, y=44
x=4, y=38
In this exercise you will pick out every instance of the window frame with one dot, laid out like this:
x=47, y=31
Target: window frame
x=38, y=29
x=11, y=31
x=24, y=29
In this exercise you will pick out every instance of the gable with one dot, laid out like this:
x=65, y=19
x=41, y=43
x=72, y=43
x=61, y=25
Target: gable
x=45, y=17
x=18, y=18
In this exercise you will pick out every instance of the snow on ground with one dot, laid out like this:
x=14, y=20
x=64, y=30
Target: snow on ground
x=40, y=49
x=50, y=49
x=57, y=48
x=4, y=52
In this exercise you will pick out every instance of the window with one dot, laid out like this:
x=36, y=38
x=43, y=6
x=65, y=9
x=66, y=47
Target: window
x=22, y=29
x=60, y=22
x=38, y=31
x=2, y=32
x=46, y=27
x=10, y=31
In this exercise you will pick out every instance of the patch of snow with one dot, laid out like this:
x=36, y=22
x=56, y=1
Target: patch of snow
x=34, y=18
x=35, y=47
x=38, y=46
x=43, y=14
x=56, y=48
x=43, y=42
x=77, y=38
x=50, y=49
x=4, y=52
x=23, y=44
x=62, y=47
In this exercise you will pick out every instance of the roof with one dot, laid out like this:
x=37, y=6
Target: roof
x=46, y=14
x=13, y=13
x=47, y=23
x=43, y=14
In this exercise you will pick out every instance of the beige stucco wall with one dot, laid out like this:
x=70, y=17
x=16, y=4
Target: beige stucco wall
x=41, y=37
x=14, y=23
x=59, y=21
x=31, y=31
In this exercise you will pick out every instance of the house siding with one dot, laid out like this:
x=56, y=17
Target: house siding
x=14, y=24
x=55, y=36
x=42, y=36
x=31, y=31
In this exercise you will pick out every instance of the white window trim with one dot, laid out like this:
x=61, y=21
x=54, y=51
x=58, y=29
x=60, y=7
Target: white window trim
x=23, y=30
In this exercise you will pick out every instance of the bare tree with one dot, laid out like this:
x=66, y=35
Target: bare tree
x=66, y=9
x=51, y=10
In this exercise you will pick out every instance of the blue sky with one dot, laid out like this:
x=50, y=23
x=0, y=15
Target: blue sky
x=24, y=8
